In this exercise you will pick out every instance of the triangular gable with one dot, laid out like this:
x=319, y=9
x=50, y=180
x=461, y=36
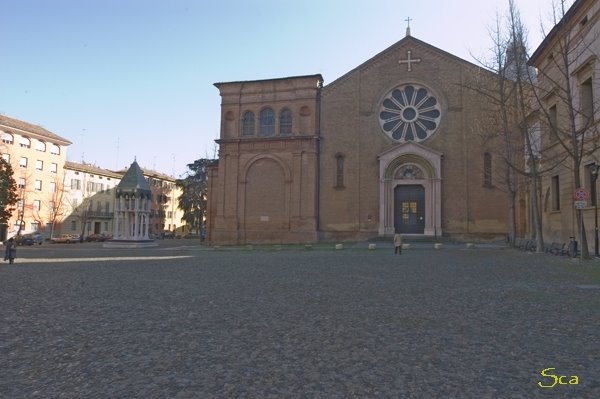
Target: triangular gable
x=410, y=147
x=406, y=40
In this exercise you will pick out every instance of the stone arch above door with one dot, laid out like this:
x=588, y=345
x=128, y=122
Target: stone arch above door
x=426, y=164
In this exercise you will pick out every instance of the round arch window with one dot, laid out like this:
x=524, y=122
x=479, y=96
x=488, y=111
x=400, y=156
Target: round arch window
x=410, y=113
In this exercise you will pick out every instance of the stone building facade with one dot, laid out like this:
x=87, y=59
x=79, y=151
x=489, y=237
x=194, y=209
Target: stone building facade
x=569, y=103
x=88, y=206
x=394, y=145
x=37, y=157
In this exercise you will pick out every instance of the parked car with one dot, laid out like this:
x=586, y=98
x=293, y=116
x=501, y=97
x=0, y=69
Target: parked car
x=167, y=234
x=38, y=238
x=67, y=239
x=97, y=237
x=77, y=237
x=25, y=239
x=29, y=239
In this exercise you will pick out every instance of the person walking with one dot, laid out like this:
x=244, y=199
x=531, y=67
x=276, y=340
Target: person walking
x=10, y=251
x=398, y=244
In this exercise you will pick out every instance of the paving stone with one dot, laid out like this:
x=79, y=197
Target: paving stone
x=481, y=323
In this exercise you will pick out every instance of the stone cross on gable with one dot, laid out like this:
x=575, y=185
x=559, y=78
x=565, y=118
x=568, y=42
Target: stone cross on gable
x=409, y=60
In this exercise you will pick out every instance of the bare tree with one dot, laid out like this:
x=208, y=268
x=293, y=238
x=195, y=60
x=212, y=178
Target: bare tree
x=508, y=119
x=54, y=202
x=522, y=100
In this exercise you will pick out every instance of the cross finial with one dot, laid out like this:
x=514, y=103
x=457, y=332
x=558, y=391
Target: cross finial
x=408, y=26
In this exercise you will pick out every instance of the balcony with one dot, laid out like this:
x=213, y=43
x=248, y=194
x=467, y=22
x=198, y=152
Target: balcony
x=100, y=215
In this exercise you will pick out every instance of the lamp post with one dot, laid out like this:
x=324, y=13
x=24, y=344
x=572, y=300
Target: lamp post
x=594, y=169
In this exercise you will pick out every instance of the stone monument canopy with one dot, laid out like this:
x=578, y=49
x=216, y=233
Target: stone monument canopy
x=134, y=180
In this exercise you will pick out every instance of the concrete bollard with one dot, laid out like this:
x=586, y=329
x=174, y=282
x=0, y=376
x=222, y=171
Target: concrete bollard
x=339, y=246
x=470, y=245
x=307, y=246
x=438, y=245
x=372, y=247
x=405, y=246
x=249, y=247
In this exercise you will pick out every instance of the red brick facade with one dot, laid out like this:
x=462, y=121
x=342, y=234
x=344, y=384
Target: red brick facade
x=355, y=154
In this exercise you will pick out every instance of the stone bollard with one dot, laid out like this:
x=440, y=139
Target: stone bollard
x=307, y=246
x=438, y=245
x=339, y=246
x=249, y=247
x=470, y=245
x=372, y=246
x=405, y=246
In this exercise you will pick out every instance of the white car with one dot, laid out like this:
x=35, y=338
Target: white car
x=66, y=238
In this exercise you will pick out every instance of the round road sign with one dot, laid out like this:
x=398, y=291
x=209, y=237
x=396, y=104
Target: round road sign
x=581, y=194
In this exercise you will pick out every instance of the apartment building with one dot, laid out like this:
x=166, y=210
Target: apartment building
x=37, y=157
x=568, y=70
x=90, y=194
x=89, y=199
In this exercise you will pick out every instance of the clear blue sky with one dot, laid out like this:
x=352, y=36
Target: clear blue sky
x=109, y=74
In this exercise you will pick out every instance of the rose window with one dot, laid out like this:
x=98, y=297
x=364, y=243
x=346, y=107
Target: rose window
x=409, y=113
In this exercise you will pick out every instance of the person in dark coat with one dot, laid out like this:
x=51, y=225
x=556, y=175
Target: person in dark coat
x=10, y=251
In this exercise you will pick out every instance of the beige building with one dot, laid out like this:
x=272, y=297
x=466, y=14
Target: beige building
x=391, y=146
x=88, y=206
x=90, y=201
x=165, y=214
x=37, y=157
x=570, y=102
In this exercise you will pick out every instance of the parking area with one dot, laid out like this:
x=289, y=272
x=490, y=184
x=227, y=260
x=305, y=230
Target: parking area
x=185, y=321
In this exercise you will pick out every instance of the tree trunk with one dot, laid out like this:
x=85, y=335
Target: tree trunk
x=512, y=217
x=535, y=209
x=585, y=253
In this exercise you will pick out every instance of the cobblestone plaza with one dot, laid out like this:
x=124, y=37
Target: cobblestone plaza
x=184, y=321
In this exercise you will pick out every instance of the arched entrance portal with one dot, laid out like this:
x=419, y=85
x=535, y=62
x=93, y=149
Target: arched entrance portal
x=410, y=191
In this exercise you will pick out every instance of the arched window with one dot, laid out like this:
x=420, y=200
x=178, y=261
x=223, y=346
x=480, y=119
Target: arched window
x=267, y=122
x=25, y=142
x=339, y=170
x=40, y=146
x=285, y=122
x=248, y=124
x=487, y=169
x=6, y=138
x=54, y=149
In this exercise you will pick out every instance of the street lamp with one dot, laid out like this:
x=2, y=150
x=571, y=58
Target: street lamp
x=594, y=169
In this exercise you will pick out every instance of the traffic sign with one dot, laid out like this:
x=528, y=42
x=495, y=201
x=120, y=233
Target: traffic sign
x=581, y=194
x=580, y=204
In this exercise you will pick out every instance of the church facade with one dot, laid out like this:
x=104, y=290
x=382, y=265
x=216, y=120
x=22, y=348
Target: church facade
x=394, y=145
